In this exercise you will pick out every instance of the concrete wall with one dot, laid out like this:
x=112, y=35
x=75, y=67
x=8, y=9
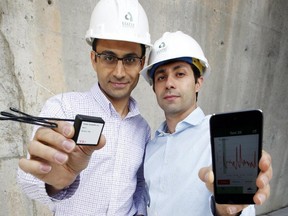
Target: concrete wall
x=43, y=52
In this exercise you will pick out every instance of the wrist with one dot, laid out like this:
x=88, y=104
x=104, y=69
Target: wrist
x=51, y=191
x=55, y=189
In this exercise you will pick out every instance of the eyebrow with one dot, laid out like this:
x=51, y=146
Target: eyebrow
x=108, y=52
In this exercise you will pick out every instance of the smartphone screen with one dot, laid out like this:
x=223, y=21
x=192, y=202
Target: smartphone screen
x=236, y=144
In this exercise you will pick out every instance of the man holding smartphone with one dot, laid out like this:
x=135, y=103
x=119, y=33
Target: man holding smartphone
x=180, y=150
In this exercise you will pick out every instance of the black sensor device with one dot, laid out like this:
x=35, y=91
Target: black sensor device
x=87, y=129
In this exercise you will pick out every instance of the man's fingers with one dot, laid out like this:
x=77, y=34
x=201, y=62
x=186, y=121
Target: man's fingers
x=101, y=142
x=207, y=176
x=54, y=139
x=266, y=171
x=65, y=128
x=202, y=173
x=34, y=167
x=46, y=153
x=265, y=162
x=264, y=178
x=88, y=150
x=262, y=195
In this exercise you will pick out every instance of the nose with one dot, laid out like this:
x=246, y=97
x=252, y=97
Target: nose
x=170, y=84
x=119, y=71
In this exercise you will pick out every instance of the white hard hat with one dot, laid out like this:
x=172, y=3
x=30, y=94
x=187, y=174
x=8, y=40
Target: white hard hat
x=123, y=20
x=175, y=46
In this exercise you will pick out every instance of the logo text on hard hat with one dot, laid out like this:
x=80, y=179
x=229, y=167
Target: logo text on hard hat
x=128, y=22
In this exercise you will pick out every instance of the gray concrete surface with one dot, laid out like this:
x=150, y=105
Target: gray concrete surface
x=43, y=53
x=279, y=212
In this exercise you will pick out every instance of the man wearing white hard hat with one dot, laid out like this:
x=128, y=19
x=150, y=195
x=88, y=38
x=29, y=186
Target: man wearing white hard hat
x=105, y=180
x=180, y=150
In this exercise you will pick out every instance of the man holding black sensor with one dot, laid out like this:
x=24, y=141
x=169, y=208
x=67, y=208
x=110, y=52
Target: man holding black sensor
x=108, y=181
x=180, y=150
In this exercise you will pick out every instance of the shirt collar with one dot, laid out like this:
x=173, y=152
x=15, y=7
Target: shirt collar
x=192, y=119
x=100, y=97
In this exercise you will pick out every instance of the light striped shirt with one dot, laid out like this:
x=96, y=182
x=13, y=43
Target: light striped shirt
x=113, y=182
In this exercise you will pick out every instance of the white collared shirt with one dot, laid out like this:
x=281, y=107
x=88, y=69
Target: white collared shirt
x=171, y=167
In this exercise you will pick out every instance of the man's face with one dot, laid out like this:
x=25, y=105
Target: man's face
x=117, y=82
x=175, y=88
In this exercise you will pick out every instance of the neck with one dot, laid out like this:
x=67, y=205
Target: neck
x=172, y=123
x=172, y=119
x=121, y=107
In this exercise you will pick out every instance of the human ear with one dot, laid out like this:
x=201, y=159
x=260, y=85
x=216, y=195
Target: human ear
x=199, y=83
x=143, y=62
x=93, y=56
x=93, y=59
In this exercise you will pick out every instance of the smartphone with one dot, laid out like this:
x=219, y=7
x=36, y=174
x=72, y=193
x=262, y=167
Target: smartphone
x=236, y=146
x=88, y=129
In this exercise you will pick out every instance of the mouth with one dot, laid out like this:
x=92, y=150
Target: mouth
x=170, y=97
x=119, y=85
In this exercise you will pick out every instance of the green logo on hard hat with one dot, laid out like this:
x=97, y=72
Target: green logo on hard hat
x=128, y=21
x=162, y=45
x=162, y=48
x=129, y=17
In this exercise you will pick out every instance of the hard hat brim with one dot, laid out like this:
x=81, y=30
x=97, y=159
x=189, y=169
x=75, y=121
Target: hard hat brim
x=149, y=71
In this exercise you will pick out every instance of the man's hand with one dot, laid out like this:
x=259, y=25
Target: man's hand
x=55, y=158
x=262, y=182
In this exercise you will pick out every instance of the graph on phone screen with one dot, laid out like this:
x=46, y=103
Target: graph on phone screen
x=238, y=160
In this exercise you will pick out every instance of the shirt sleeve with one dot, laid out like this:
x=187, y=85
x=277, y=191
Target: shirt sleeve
x=34, y=188
x=140, y=195
x=68, y=191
